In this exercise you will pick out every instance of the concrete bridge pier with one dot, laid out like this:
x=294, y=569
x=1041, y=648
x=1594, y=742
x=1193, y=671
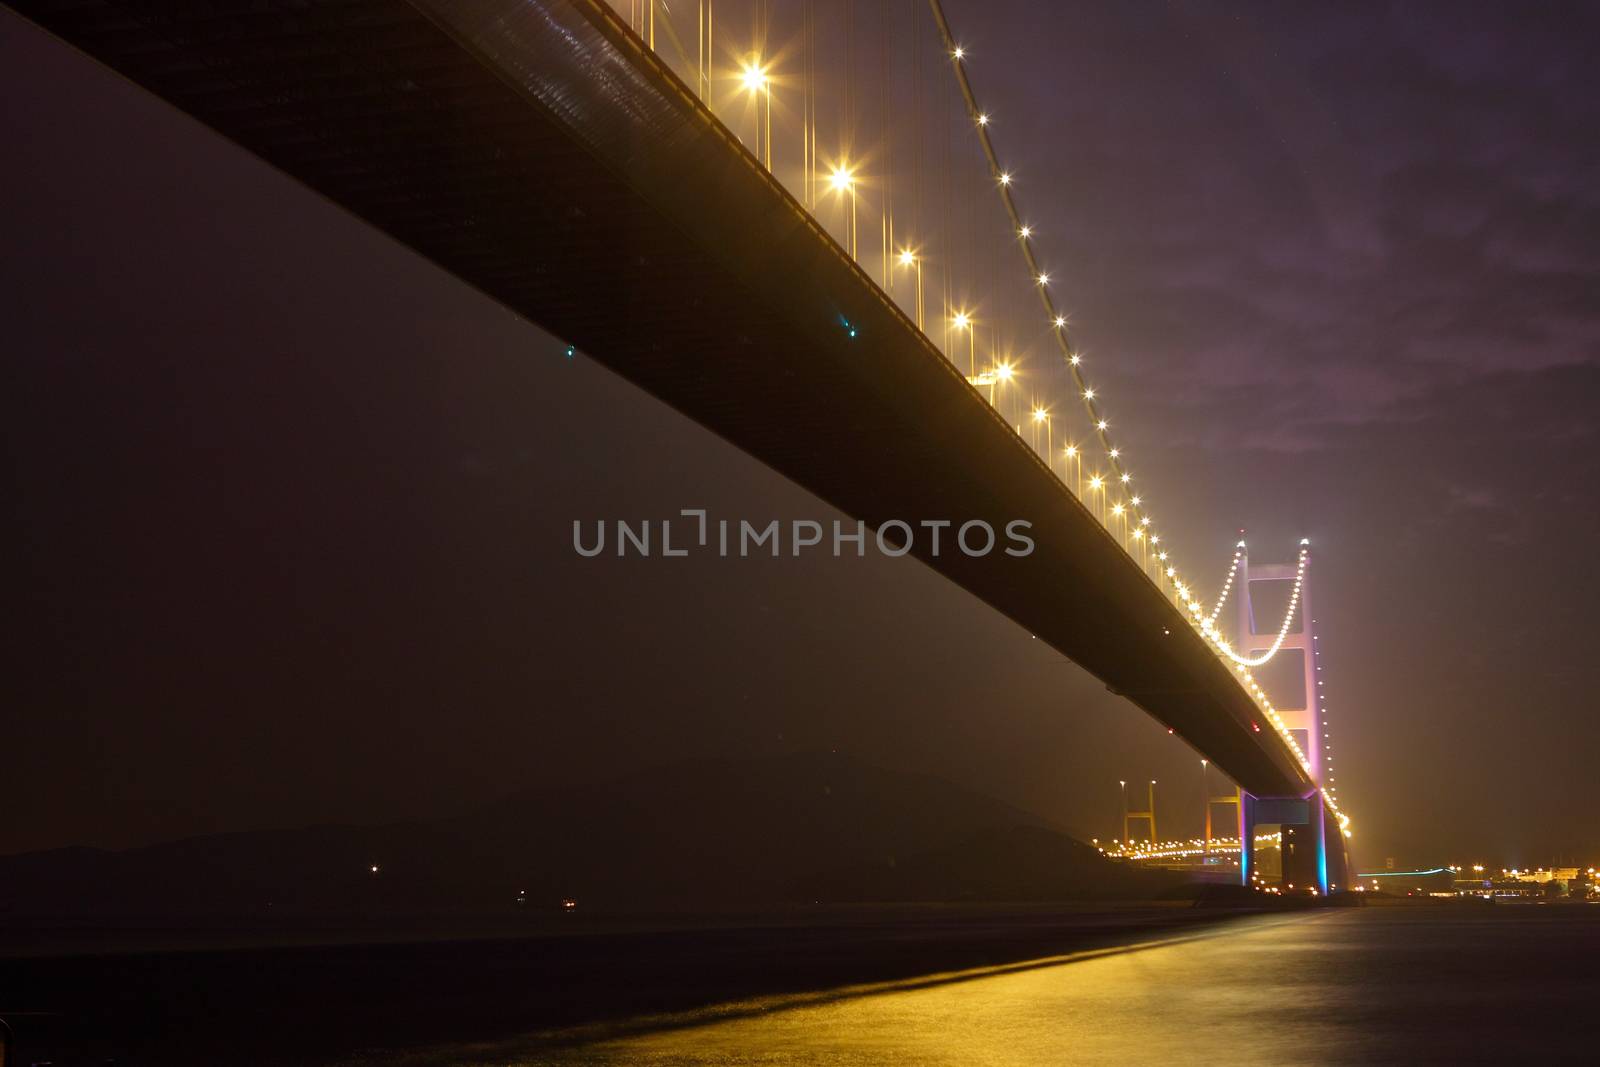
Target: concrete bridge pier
x=1305, y=826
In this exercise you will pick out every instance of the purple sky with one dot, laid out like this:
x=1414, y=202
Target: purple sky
x=295, y=507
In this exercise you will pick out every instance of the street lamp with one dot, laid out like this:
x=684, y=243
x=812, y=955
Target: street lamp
x=754, y=79
x=909, y=258
x=963, y=321
x=1003, y=373
x=843, y=180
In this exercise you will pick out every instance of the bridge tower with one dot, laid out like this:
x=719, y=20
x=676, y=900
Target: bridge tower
x=1304, y=822
x=1304, y=722
x=1148, y=815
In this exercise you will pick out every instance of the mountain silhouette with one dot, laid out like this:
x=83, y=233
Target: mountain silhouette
x=698, y=835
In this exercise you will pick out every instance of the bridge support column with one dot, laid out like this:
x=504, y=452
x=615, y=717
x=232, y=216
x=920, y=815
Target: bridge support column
x=1247, y=837
x=1319, y=827
x=1338, y=859
x=1303, y=838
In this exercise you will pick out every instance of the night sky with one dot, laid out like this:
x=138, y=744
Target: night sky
x=291, y=509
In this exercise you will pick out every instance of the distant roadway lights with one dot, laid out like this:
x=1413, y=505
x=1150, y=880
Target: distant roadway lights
x=1005, y=177
x=754, y=79
x=959, y=54
x=1025, y=233
x=983, y=120
x=1044, y=278
x=1061, y=320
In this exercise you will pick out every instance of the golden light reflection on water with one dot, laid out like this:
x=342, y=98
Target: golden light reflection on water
x=1400, y=985
x=1208, y=998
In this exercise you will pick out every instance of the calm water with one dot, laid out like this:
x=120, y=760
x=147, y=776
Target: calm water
x=1498, y=984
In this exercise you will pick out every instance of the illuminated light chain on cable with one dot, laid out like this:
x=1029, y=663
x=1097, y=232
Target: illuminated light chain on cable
x=1208, y=628
x=1227, y=586
x=756, y=78
x=1265, y=703
x=1322, y=714
x=1004, y=181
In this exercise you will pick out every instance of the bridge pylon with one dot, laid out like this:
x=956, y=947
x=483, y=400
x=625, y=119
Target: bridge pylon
x=1304, y=721
x=1309, y=858
x=1148, y=815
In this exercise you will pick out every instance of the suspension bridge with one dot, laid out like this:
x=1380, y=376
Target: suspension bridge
x=795, y=223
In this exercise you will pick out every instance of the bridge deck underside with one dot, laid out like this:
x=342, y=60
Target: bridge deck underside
x=534, y=152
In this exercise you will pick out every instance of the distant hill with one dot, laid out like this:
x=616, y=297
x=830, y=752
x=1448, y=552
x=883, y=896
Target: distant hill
x=702, y=834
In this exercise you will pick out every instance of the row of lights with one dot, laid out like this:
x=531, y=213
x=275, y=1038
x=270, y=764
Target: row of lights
x=1102, y=427
x=1322, y=713
x=1210, y=629
x=755, y=79
x=1147, y=850
x=1025, y=233
x=1227, y=585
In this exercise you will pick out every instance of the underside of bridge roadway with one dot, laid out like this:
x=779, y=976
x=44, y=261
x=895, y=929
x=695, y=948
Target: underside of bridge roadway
x=536, y=151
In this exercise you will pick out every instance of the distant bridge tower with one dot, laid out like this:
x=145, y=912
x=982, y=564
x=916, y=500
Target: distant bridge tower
x=1304, y=722
x=1148, y=814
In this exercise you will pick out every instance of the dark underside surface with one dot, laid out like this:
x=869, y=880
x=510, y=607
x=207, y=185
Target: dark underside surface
x=538, y=153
